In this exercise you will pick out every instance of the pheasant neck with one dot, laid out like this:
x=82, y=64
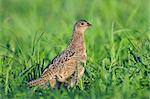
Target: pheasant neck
x=77, y=41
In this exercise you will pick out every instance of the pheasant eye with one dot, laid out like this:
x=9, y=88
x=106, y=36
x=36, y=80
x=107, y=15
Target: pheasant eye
x=82, y=23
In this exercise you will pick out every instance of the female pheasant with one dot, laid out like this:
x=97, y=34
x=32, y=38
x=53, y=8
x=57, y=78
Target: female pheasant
x=67, y=67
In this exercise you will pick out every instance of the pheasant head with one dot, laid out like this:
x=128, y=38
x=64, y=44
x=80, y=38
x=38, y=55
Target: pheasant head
x=81, y=26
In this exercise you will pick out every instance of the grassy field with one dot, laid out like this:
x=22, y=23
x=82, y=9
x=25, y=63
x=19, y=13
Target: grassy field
x=32, y=32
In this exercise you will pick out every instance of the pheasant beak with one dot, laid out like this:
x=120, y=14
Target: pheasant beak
x=89, y=24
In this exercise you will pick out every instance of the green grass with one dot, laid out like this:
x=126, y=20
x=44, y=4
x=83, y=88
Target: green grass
x=32, y=32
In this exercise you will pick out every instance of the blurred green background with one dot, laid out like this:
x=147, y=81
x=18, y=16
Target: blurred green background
x=32, y=32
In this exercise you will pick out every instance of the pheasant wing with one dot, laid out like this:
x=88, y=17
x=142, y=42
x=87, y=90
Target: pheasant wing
x=62, y=66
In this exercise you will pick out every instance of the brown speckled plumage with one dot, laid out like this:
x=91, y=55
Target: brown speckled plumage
x=67, y=67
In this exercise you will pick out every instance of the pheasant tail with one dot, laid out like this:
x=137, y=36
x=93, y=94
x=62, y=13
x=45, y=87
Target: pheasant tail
x=37, y=82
